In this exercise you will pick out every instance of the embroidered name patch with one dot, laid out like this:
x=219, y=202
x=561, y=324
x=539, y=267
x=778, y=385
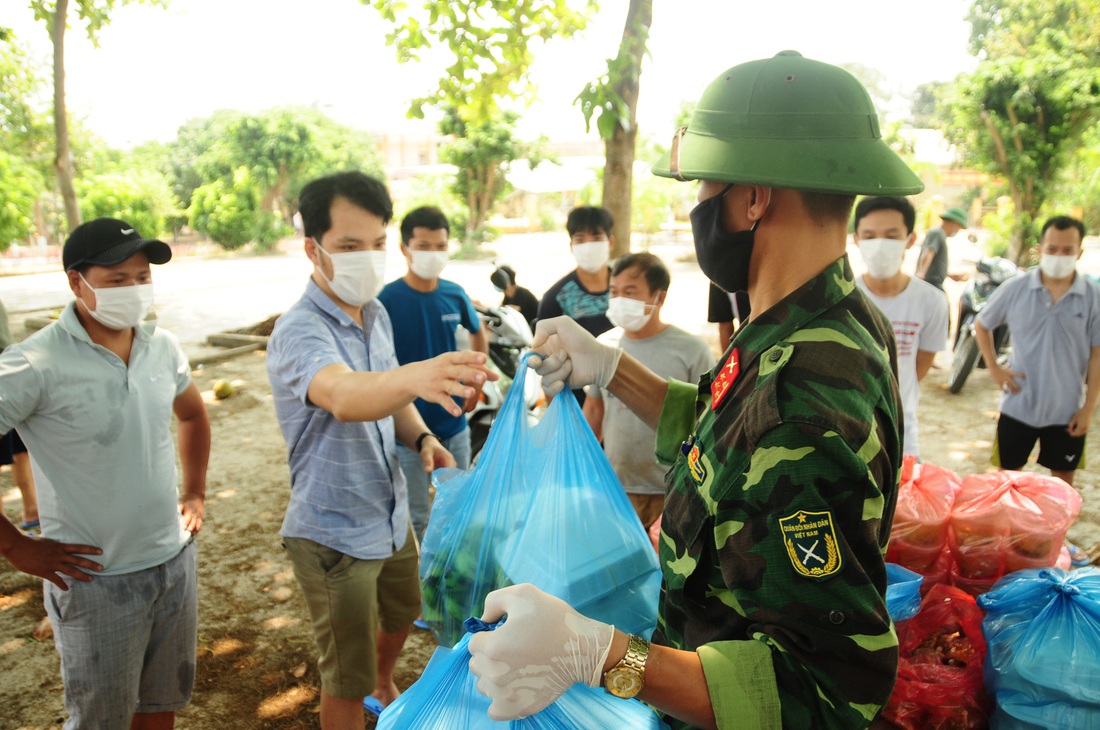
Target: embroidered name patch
x=810, y=539
x=725, y=379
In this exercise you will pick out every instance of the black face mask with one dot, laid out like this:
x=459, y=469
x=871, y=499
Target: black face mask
x=724, y=257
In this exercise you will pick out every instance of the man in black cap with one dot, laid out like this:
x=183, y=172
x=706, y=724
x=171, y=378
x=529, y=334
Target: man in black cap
x=93, y=396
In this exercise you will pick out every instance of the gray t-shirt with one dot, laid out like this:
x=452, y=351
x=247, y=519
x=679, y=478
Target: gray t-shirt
x=629, y=443
x=936, y=241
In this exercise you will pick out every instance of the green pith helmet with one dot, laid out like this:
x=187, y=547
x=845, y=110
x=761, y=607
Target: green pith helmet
x=788, y=122
x=956, y=214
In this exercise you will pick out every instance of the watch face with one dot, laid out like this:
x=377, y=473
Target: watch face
x=623, y=682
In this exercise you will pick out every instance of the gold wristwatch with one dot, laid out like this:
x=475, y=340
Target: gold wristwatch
x=626, y=678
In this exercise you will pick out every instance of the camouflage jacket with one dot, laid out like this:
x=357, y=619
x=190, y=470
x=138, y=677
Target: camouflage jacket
x=778, y=513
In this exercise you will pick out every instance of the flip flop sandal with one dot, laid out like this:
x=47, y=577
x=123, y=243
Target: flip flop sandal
x=421, y=624
x=1078, y=558
x=372, y=705
x=31, y=528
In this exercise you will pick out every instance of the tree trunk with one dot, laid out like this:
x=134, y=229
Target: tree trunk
x=471, y=205
x=618, y=174
x=63, y=162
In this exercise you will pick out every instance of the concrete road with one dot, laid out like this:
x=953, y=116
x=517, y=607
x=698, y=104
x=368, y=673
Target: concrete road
x=196, y=296
x=201, y=295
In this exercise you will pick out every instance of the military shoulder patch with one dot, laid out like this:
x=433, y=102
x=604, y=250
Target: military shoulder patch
x=696, y=467
x=725, y=379
x=810, y=539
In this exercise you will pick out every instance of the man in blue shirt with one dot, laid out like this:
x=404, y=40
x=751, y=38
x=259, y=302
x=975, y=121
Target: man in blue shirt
x=425, y=311
x=343, y=405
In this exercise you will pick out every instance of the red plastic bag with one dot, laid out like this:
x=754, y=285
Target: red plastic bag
x=939, y=682
x=926, y=496
x=1007, y=521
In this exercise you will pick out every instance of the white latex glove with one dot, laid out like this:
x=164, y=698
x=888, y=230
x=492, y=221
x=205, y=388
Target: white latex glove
x=570, y=354
x=543, y=649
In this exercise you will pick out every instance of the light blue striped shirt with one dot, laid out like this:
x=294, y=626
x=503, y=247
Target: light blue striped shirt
x=347, y=491
x=1051, y=344
x=100, y=439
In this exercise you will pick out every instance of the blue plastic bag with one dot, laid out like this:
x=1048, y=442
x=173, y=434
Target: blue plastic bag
x=1043, y=664
x=445, y=697
x=902, y=592
x=542, y=506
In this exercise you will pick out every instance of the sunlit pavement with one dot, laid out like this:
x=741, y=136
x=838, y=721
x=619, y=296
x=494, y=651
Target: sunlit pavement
x=197, y=296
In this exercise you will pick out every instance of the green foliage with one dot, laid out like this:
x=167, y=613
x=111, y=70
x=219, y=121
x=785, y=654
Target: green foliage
x=1007, y=28
x=605, y=98
x=926, y=109
x=481, y=150
x=489, y=44
x=25, y=141
x=188, y=156
x=999, y=224
x=282, y=148
x=24, y=124
x=1081, y=184
x=94, y=14
x=20, y=185
x=279, y=149
x=142, y=198
x=228, y=211
x=683, y=114
x=433, y=189
x=1021, y=114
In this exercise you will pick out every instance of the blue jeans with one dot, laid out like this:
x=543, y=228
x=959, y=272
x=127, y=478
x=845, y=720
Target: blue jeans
x=419, y=481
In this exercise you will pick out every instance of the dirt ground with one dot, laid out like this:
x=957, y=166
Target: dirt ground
x=256, y=660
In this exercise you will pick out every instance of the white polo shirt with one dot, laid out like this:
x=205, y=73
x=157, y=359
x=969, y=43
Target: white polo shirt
x=99, y=436
x=1051, y=344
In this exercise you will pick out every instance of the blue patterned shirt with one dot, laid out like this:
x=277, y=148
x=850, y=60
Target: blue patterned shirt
x=347, y=491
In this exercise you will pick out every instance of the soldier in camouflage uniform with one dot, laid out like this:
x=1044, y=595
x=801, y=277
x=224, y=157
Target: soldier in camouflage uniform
x=785, y=458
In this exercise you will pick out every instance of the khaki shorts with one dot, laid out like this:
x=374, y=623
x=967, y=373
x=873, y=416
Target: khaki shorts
x=349, y=601
x=648, y=506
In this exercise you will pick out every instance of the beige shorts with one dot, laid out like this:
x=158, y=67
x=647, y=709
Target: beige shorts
x=349, y=601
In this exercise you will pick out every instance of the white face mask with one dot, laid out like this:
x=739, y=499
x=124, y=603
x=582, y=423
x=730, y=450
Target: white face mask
x=630, y=314
x=592, y=256
x=1057, y=267
x=357, y=276
x=883, y=256
x=428, y=264
x=120, y=307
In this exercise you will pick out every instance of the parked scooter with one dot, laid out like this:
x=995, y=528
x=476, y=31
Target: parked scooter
x=509, y=339
x=992, y=272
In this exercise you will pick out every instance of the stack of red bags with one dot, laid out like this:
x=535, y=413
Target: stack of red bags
x=919, y=537
x=1006, y=521
x=970, y=532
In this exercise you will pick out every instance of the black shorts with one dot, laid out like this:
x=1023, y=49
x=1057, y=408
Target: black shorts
x=10, y=445
x=1058, y=451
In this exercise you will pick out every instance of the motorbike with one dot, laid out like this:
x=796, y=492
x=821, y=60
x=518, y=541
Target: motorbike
x=992, y=272
x=509, y=339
